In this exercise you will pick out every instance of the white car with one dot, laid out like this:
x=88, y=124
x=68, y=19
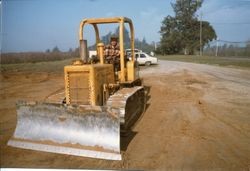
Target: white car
x=128, y=51
x=92, y=53
x=145, y=59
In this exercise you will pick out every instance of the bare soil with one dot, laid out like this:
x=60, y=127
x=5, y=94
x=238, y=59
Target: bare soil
x=197, y=118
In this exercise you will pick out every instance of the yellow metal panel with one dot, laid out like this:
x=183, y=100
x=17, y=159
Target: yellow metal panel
x=77, y=89
x=102, y=74
x=122, y=62
x=131, y=74
x=84, y=83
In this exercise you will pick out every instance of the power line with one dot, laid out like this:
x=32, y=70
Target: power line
x=201, y=33
x=226, y=41
x=229, y=23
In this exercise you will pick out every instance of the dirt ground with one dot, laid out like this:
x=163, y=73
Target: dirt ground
x=197, y=118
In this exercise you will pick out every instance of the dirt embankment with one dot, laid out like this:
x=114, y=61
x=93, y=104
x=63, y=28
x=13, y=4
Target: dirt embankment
x=197, y=118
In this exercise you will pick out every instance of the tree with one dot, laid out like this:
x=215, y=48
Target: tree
x=70, y=50
x=144, y=41
x=181, y=33
x=247, y=49
x=126, y=36
x=55, y=49
x=106, y=39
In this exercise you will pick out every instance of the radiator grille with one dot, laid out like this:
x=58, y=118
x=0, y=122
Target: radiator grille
x=79, y=87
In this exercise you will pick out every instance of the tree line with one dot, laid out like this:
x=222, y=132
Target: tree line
x=139, y=44
x=56, y=54
x=25, y=57
x=234, y=49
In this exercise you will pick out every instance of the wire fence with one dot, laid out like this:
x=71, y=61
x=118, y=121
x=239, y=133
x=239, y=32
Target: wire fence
x=228, y=48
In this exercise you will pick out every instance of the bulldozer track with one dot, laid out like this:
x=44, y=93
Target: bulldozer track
x=129, y=104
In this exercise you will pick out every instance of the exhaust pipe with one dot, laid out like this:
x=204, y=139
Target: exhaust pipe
x=84, y=51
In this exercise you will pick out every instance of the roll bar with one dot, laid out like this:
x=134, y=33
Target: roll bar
x=120, y=20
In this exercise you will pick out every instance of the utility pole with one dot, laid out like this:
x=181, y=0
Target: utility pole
x=1, y=33
x=201, y=34
x=217, y=46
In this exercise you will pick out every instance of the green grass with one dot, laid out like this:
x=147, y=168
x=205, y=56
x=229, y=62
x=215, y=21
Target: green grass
x=212, y=60
x=51, y=66
x=57, y=66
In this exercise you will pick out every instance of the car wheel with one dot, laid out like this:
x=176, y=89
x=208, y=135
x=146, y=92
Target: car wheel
x=148, y=63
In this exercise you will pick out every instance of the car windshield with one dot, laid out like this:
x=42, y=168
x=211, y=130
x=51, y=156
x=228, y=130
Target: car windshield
x=142, y=55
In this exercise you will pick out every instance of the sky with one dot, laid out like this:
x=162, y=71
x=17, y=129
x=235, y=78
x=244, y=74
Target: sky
x=38, y=25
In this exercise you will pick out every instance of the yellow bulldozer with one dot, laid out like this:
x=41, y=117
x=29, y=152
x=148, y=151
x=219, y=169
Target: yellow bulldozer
x=99, y=104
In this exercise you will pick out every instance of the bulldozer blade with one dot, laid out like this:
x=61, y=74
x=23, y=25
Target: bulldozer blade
x=79, y=130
